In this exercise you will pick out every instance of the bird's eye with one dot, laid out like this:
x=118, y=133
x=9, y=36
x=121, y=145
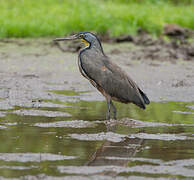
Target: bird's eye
x=81, y=36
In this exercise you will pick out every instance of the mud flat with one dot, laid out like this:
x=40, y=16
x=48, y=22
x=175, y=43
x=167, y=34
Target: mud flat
x=30, y=68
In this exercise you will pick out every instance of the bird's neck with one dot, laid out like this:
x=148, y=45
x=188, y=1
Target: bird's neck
x=97, y=46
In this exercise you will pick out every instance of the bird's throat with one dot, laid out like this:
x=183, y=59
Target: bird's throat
x=86, y=43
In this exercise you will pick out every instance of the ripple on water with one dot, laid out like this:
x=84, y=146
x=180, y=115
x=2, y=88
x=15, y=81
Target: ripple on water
x=162, y=169
x=72, y=124
x=31, y=112
x=33, y=157
x=110, y=136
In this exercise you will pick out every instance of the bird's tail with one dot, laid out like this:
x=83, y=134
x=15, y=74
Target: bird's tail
x=145, y=98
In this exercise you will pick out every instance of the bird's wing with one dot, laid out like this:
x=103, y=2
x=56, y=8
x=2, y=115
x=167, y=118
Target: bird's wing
x=112, y=79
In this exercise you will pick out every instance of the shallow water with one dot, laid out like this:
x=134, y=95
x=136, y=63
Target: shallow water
x=64, y=139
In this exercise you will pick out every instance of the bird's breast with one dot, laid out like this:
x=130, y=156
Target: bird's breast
x=82, y=71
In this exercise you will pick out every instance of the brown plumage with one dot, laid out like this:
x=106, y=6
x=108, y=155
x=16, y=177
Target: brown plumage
x=106, y=76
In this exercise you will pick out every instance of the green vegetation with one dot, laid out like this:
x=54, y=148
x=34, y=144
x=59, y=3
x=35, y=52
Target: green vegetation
x=28, y=18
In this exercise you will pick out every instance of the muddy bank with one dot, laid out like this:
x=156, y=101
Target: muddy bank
x=146, y=47
x=30, y=69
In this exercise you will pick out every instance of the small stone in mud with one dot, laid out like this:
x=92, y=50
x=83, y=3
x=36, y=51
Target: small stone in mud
x=31, y=112
x=179, y=83
x=124, y=38
x=115, y=51
x=177, y=32
x=30, y=76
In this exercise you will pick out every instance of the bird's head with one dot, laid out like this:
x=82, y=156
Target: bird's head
x=86, y=37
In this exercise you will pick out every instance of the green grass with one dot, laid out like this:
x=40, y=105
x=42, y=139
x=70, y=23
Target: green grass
x=43, y=18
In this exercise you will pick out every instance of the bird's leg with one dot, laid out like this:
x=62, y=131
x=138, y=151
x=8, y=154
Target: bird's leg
x=108, y=99
x=114, y=110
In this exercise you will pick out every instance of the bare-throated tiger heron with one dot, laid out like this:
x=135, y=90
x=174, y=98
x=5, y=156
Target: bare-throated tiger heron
x=106, y=76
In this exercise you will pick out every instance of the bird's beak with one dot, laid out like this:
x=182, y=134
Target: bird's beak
x=73, y=37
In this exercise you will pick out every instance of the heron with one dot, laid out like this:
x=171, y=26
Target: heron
x=106, y=76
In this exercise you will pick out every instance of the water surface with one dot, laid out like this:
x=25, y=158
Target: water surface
x=73, y=139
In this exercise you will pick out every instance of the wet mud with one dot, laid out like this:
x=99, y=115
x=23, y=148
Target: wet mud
x=52, y=121
x=146, y=47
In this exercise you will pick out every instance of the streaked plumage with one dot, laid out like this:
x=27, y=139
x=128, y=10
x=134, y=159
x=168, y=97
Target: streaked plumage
x=106, y=76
